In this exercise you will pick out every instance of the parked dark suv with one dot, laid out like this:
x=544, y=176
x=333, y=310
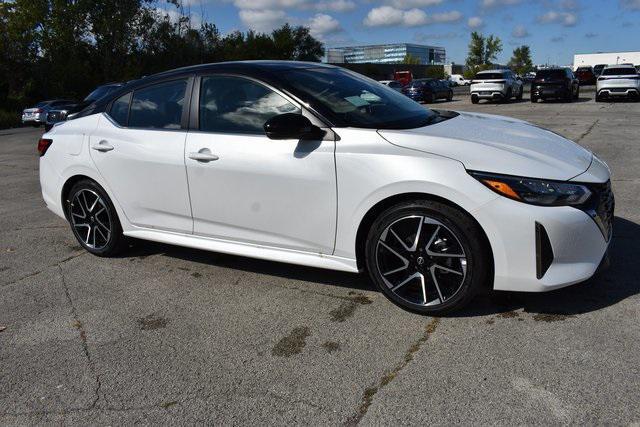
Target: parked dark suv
x=428, y=90
x=559, y=83
x=586, y=76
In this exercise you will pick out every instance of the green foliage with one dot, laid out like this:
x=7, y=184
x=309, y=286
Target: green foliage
x=435, y=72
x=476, y=54
x=64, y=48
x=471, y=72
x=9, y=119
x=493, y=47
x=520, y=61
x=410, y=59
x=482, y=50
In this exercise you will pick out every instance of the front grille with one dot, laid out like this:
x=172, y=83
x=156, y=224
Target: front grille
x=601, y=208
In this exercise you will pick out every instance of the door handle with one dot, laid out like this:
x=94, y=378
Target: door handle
x=204, y=155
x=102, y=146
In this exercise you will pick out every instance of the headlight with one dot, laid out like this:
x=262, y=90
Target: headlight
x=535, y=191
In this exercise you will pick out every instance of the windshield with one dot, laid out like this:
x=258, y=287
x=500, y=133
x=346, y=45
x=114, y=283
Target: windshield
x=626, y=71
x=101, y=91
x=353, y=100
x=551, y=74
x=489, y=76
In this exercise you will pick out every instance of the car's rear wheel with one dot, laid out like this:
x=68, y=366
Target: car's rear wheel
x=427, y=256
x=94, y=220
x=507, y=97
x=450, y=95
x=428, y=98
x=520, y=93
x=534, y=99
x=474, y=99
x=577, y=95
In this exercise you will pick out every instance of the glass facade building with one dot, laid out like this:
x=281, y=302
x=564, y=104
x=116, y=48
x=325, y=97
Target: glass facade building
x=386, y=54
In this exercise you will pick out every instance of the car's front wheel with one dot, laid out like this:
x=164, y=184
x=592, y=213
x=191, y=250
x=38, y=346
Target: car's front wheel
x=427, y=256
x=94, y=220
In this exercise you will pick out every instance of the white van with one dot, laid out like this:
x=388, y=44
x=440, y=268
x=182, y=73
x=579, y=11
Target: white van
x=459, y=80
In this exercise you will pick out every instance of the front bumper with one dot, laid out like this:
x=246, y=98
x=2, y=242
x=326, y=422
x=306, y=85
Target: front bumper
x=524, y=262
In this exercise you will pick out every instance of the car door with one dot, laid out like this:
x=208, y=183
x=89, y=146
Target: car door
x=138, y=148
x=248, y=188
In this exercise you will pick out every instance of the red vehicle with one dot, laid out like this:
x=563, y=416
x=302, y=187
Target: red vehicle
x=404, y=77
x=586, y=76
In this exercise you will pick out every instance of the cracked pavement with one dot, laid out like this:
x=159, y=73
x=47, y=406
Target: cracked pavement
x=170, y=335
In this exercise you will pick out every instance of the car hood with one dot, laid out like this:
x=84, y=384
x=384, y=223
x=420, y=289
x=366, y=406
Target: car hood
x=497, y=144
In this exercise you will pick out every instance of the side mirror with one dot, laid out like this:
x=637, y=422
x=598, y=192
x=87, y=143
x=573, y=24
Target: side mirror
x=291, y=126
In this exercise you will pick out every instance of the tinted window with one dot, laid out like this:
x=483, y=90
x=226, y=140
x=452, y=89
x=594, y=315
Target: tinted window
x=158, y=106
x=550, y=74
x=237, y=105
x=626, y=71
x=394, y=84
x=120, y=109
x=350, y=99
x=490, y=76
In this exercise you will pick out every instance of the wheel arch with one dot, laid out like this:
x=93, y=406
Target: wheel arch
x=382, y=205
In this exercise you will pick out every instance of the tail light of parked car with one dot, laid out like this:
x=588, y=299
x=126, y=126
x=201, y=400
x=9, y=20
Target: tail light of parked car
x=43, y=145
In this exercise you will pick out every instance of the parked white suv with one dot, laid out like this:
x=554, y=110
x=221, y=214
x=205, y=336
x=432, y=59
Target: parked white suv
x=499, y=85
x=618, y=81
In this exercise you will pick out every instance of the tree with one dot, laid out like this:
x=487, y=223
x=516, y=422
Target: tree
x=411, y=60
x=64, y=48
x=493, y=47
x=520, y=61
x=476, y=50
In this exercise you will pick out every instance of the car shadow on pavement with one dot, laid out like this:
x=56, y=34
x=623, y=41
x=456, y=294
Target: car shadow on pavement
x=562, y=101
x=607, y=288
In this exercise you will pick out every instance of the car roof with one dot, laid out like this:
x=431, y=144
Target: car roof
x=492, y=71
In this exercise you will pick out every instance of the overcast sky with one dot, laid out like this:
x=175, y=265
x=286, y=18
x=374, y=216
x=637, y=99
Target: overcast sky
x=555, y=29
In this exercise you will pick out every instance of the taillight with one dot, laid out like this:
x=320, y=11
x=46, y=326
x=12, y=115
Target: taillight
x=43, y=145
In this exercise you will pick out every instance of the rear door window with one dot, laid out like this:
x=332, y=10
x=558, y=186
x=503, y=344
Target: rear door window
x=119, y=111
x=158, y=106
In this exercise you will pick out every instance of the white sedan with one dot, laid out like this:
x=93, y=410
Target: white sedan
x=315, y=165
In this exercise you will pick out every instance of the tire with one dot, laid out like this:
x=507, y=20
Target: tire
x=428, y=98
x=508, y=96
x=599, y=98
x=569, y=97
x=450, y=96
x=577, y=95
x=520, y=93
x=398, y=269
x=474, y=99
x=94, y=220
x=534, y=100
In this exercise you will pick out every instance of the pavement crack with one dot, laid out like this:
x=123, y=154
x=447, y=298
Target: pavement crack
x=370, y=392
x=77, y=323
x=35, y=273
x=588, y=131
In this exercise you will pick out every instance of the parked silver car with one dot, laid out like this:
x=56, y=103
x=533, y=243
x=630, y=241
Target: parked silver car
x=67, y=111
x=498, y=85
x=37, y=115
x=618, y=81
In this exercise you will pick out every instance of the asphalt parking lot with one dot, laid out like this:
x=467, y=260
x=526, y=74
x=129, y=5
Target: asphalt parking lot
x=172, y=335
